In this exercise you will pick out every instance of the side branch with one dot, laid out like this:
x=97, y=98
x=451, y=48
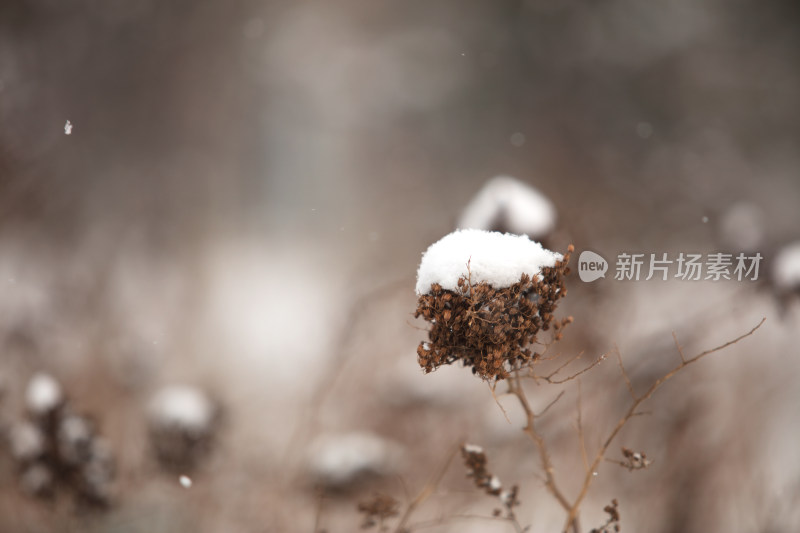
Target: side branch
x=551, y=377
x=633, y=411
x=515, y=388
x=426, y=491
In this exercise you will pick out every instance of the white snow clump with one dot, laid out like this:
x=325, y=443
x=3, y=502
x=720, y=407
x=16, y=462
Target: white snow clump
x=786, y=267
x=473, y=448
x=340, y=459
x=182, y=407
x=511, y=204
x=43, y=394
x=499, y=259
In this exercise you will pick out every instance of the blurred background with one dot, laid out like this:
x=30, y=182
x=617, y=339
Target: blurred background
x=240, y=207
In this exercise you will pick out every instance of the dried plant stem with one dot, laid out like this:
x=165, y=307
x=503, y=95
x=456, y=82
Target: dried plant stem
x=515, y=388
x=357, y=310
x=318, y=513
x=572, y=509
x=581, y=436
x=633, y=410
x=551, y=377
x=426, y=491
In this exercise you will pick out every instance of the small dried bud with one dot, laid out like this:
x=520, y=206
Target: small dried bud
x=378, y=509
x=634, y=460
x=612, y=525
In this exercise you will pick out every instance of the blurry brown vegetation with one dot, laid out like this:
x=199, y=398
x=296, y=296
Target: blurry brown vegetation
x=244, y=197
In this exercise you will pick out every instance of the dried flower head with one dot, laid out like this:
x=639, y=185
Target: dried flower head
x=612, y=524
x=488, y=327
x=634, y=460
x=477, y=468
x=182, y=421
x=377, y=509
x=57, y=449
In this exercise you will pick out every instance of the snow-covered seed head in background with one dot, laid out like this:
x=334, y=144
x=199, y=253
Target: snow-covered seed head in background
x=506, y=204
x=786, y=268
x=342, y=460
x=182, y=406
x=43, y=395
x=58, y=450
x=487, y=295
x=182, y=422
x=477, y=468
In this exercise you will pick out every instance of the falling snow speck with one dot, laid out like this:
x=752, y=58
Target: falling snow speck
x=186, y=481
x=705, y=220
x=68, y=128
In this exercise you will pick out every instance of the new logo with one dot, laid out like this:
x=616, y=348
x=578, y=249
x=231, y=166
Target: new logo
x=591, y=266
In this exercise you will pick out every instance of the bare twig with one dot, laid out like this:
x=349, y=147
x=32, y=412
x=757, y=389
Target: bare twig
x=318, y=512
x=492, y=387
x=551, y=378
x=404, y=487
x=624, y=373
x=426, y=491
x=581, y=436
x=357, y=310
x=678, y=346
x=551, y=404
x=515, y=387
x=633, y=411
x=563, y=365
